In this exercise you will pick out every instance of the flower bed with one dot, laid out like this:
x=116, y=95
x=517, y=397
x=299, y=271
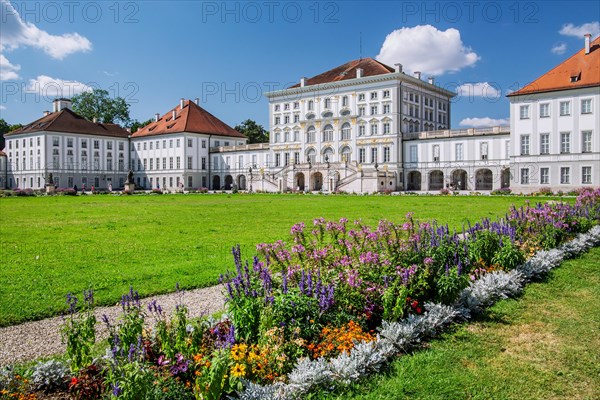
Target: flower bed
x=328, y=308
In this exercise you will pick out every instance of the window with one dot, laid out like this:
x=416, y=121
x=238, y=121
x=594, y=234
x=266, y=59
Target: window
x=373, y=95
x=346, y=131
x=361, y=130
x=361, y=97
x=386, y=154
x=586, y=141
x=170, y=162
x=544, y=175
x=544, y=143
x=327, y=103
x=145, y=164
x=507, y=149
x=189, y=141
x=157, y=163
x=286, y=136
x=109, y=145
x=54, y=142
x=190, y=181
x=361, y=155
x=164, y=144
x=544, y=110
x=150, y=145
x=436, y=152
x=310, y=135
x=374, y=110
x=565, y=108
x=178, y=143
x=170, y=143
x=277, y=120
x=524, y=145
x=373, y=155
x=296, y=136
x=277, y=137
x=277, y=159
x=524, y=176
x=144, y=145
x=483, y=148
x=217, y=143
x=286, y=119
x=121, y=146
x=296, y=118
x=386, y=127
x=374, y=128
x=345, y=101
x=286, y=159
x=386, y=94
x=286, y=106
x=361, y=111
x=565, y=142
x=565, y=175
x=164, y=163
x=38, y=143
x=311, y=105
x=277, y=106
x=586, y=174
x=458, y=151
x=586, y=106
x=178, y=161
x=296, y=105
x=203, y=161
x=386, y=108
x=69, y=142
x=524, y=112
x=203, y=143
x=328, y=133
x=97, y=145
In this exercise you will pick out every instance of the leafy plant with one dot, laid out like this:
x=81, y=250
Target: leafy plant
x=78, y=330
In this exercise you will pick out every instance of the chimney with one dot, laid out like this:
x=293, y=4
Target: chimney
x=95, y=120
x=60, y=104
x=197, y=101
x=359, y=72
x=181, y=103
x=398, y=67
x=418, y=75
x=430, y=80
x=46, y=113
x=587, y=38
x=302, y=82
x=156, y=117
x=174, y=115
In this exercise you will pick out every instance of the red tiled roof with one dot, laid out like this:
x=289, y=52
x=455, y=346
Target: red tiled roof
x=586, y=67
x=68, y=121
x=192, y=118
x=346, y=71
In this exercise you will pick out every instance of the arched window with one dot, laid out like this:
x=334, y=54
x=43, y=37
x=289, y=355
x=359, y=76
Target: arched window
x=311, y=156
x=346, y=131
x=346, y=154
x=328, y=154
x=328, y=133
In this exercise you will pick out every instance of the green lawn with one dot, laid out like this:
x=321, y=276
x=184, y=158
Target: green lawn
x=544, y=345
x=54, y=245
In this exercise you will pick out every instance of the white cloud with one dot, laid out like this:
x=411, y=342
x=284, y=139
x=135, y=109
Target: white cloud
x=54, y=87
x=483, y=122
x=16, y=33
x=579, y=31
x=559, y=48
x=427, y=49
x=8, y=71
x=479, y=89
x=2, y=107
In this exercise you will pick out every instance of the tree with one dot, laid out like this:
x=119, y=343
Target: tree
x=136, y=125
x=255, y=133
x=97, y=104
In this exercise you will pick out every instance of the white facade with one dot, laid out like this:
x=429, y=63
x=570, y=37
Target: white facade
x=3, y=171
x=556, y=140
x=81, y=160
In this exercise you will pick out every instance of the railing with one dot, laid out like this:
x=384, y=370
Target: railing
x=244, y=147
x=457, y=132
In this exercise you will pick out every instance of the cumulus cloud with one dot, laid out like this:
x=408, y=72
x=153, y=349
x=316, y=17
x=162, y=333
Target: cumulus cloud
x=425, y=48
x=17, y=33
x=54, y=87
x=559, y=48
x=483, y=122
x=479, y=89
x=8, y=71
x=580, y=30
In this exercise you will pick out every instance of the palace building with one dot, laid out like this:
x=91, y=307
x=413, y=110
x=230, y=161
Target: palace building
x=360, y=127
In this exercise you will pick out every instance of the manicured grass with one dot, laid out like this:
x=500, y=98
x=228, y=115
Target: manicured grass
x=54, y=245
x=544, y=345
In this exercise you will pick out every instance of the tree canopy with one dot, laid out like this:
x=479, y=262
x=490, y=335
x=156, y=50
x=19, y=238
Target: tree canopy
x=256, y=133
x=5, y=128
x=98, y=104
x=135, y=124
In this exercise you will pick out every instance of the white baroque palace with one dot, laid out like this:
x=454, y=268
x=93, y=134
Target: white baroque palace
x=360, y=127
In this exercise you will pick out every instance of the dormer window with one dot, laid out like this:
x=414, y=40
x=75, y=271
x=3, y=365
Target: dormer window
x=575, y=77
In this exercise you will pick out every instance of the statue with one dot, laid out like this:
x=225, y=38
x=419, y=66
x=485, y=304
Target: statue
x=49, y=179
x=129, y=177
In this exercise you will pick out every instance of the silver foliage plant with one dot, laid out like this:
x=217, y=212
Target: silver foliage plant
x=398, y=337
x=49, y=375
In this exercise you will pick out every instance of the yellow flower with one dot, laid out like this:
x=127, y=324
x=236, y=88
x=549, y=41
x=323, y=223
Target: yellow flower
x=238, y=370
x=238, y=352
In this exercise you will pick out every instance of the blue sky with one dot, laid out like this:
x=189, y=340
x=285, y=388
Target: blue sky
x=228, y=53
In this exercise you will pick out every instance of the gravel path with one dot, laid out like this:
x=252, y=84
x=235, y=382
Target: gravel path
x=35, y=339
